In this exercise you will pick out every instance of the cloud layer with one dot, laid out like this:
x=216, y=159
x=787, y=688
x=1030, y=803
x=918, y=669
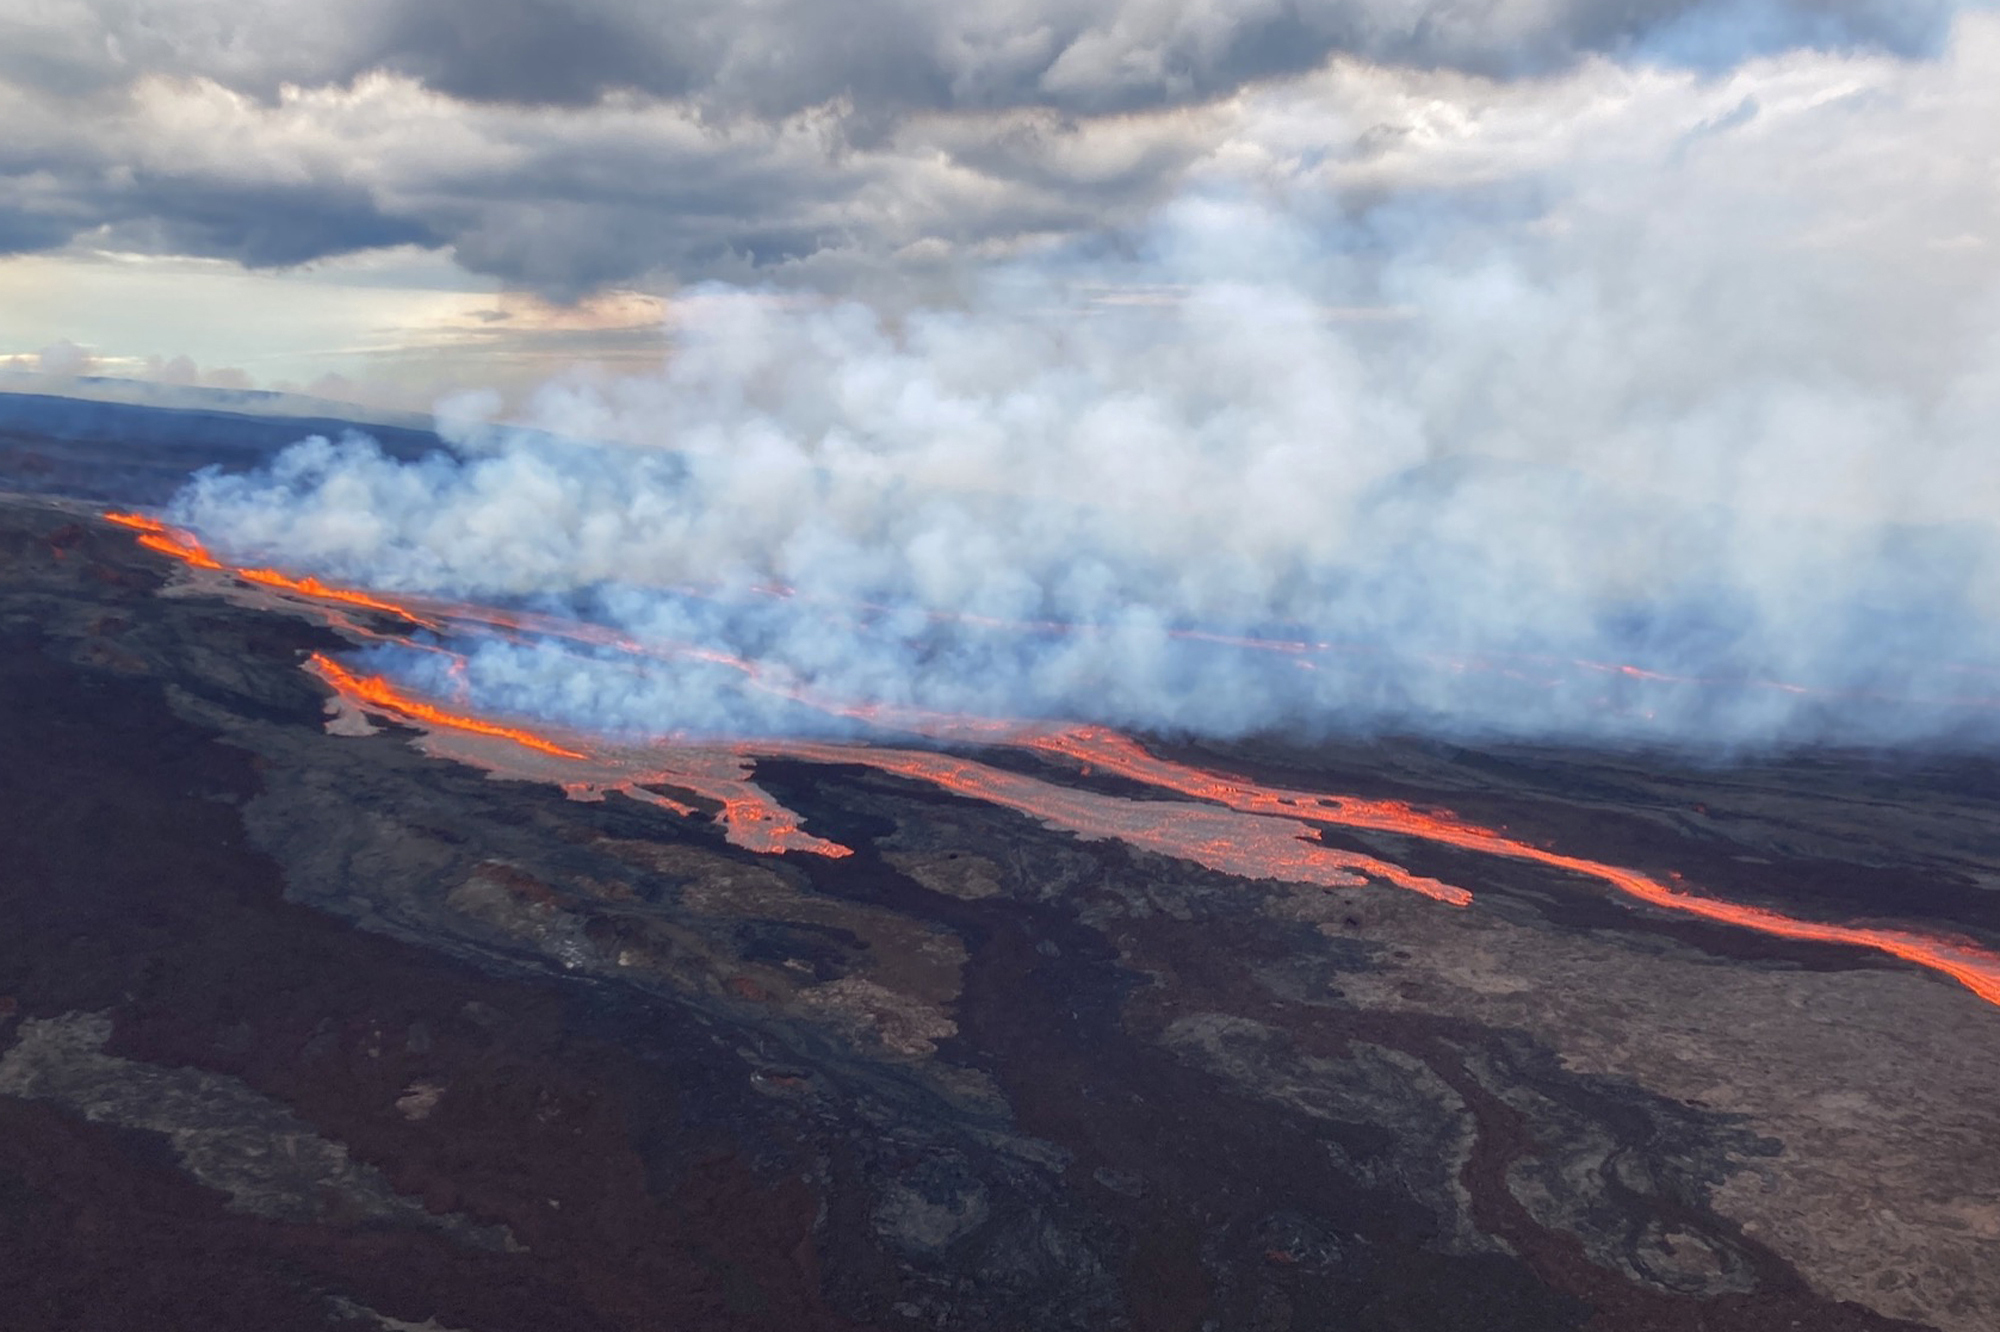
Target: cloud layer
x=566, y=144
x=1630, y=368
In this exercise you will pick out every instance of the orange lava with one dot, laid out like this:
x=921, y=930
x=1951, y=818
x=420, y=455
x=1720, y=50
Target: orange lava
x=750, y=818
x=314, y=588
x=377, y=694
x=138, y=522
x=1976, y=968
x=184, y=546
x=157, y=536
x=1248, y=845
x=192, y=552
x=754, y=821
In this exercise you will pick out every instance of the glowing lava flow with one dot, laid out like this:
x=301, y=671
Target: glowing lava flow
x=1237, y=827
x=749, y=817
x=318, y=591
x=372, y=691
x=1253, y=846
x=185, y=547
x=1975, y=968
x=442, y=616
x=157, y=536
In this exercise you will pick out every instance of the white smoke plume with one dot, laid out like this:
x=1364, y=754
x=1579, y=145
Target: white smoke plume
x=1626, y=367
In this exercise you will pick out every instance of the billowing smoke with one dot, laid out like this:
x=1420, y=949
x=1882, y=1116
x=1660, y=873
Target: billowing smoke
x=1703, y=381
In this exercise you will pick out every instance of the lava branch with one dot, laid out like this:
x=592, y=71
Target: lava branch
x=1246, y=845
x=157, y=536
x=749, y=817
x=1976, y=968
x=378, y=695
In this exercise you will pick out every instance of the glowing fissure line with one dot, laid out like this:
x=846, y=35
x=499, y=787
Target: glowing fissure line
x=186, y=547
x=313, y=587
x=1300, y=648
x=1246, y=849
x=1783, y=687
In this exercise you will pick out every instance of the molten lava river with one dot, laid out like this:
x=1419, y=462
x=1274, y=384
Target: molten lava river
x=1221, y=821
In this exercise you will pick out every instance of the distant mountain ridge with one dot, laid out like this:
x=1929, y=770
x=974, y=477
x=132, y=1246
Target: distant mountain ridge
x=202, y=397
x=134, y=453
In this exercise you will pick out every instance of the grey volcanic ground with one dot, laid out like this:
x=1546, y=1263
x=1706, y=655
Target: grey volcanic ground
x=312, y=1031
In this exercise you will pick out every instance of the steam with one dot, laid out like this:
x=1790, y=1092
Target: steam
x=1708, y=390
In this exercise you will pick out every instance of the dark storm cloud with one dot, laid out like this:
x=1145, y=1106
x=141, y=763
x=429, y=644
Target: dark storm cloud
x=22, y=233
x=259, y=225
x=535, y=51
x=565, y=144
x=103, y=179
x=883, y=56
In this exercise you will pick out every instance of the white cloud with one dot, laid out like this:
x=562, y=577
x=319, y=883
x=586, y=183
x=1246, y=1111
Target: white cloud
x=571, y=144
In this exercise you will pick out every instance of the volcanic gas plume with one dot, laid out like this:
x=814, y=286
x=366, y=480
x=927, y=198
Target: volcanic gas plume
x=1574, y=472
x=1224, y=822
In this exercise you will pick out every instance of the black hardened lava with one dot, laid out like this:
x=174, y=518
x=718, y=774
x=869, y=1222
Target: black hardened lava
x=1118, y=1131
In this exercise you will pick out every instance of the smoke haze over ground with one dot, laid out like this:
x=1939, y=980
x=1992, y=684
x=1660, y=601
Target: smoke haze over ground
x=1692, y=372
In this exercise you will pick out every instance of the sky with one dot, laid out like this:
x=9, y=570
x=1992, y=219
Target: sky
x=1491, y=346
x=390, y=200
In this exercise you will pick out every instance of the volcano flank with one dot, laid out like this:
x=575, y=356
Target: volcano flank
x=326, y=1002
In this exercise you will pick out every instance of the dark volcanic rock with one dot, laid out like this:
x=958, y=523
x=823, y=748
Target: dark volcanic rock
x=313, y=1031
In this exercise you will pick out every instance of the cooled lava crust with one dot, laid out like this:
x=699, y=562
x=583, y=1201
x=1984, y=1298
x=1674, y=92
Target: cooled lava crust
x=306, y=1030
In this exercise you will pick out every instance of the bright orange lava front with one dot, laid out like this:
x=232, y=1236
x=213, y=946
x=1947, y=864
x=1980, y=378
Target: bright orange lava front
x=312, y=587
x=376, y=692
x=154, y=535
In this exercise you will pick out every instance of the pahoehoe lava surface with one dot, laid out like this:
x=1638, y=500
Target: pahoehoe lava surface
x=304, y=1030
